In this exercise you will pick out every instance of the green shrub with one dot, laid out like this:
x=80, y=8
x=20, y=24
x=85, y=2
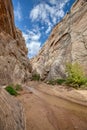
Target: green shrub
x=51, y=82
x=11, y=90
x=76, y=77
x=18, y=87
x=36, y=77
x=57, y=81
x=60, y=81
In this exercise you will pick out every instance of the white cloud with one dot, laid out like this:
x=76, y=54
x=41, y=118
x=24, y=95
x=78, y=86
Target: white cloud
x=18, y=12
x=32, y=42
x=34, y=13
x=31, y=35
x=26, y=36
x=34, y=48
x=48, y=29
x=52, y=1
x=47, y=14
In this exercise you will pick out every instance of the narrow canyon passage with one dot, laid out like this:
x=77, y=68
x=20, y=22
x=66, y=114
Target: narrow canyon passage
x=45, y=111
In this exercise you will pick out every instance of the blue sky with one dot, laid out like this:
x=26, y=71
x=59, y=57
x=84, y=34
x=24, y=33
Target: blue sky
x=36, y=18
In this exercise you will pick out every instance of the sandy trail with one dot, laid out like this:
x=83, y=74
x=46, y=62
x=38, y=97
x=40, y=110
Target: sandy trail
x=46, y=111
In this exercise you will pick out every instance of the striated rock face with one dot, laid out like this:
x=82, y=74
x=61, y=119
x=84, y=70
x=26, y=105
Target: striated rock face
x=7, y=17
x=14, y=64
x=14, y=67
x=11, y=113
x=67, y=43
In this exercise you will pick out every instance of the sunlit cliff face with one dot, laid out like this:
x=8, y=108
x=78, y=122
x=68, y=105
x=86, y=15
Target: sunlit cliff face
x=36, y=19
x=61, y=47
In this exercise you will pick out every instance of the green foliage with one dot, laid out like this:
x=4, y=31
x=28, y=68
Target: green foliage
x=51, y=82
x=76, y=77
x=36, y=77
x=60, y=81
x=57, y=81
x=84, y=87
x=18, y=87
x=11, y=90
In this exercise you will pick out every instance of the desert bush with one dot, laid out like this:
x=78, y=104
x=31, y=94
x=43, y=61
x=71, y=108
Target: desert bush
x=36, y=77
x=60, y=81
x=51, y=82
x=18, y=87
x=76, y=76
x=56, y=81
x=11, y=90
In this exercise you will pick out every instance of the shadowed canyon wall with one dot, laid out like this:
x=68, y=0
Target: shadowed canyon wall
x=14, y=64
x=14, y=67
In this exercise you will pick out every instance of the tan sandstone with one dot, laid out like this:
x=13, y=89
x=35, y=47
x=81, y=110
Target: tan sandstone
x=14, y=63
x=11, y=113
x=66, y=43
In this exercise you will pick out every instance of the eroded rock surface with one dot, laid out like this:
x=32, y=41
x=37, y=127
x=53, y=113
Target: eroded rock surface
x=14, y=64
x=7, y=17
x=67, y=43
x=11, y=113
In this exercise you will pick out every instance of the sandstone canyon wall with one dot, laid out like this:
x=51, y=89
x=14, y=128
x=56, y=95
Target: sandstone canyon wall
x=14, y=67
x=14, y=64
x=67, y=43
x=11, y=113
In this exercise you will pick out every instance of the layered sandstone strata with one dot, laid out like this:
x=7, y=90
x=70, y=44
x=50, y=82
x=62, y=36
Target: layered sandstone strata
x=14, y=64
x=11, y=113
x=66, y=43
